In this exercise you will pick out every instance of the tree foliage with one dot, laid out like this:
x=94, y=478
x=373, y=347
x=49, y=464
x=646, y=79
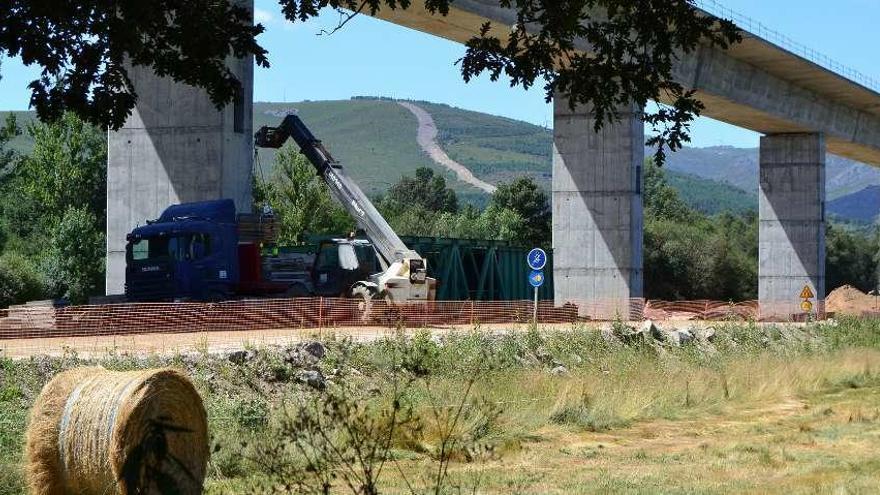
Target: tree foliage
x=84, y=47
x=20, y=281
x=300, y=200
x=75, y=259
x=493, y=223
x=67, y=167
x=689, y=255
x=426, y=190
x=661, y=200
x=8, y=131
x=53, y=211
x=531, y=203
x=851, y=258
x=605, y=54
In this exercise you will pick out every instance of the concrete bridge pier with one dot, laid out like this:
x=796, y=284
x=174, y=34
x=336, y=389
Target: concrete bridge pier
x=176, y=147
x=791, y=209
x=597, y=212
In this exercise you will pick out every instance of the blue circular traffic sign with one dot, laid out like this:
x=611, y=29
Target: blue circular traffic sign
x=537, y=259
x=536, y=278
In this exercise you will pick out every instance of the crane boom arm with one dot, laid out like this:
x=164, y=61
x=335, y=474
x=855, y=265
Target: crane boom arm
x=387, y=243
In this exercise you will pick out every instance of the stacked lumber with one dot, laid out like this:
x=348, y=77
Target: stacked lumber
x=34, y=316
x=256, y=227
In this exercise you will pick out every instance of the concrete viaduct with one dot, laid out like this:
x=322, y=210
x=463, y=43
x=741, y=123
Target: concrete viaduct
x=801, y=108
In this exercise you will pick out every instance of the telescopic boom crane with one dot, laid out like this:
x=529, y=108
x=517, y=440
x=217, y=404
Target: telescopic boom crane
x=405, y=276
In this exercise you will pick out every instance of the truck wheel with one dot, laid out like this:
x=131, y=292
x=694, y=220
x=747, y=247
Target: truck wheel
x=296, y=290
x=364, y=298
x=216, y=296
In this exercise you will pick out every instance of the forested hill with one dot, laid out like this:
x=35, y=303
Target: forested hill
x=376, y=139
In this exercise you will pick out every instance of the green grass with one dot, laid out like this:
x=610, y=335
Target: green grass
x=768, y=409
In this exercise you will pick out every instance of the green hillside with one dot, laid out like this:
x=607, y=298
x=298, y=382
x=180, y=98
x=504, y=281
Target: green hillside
x=376, y=140
x=23, y=143
x=711, y=197
x=495, y=149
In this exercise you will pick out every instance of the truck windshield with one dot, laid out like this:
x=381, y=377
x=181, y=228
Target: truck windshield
x=149, y=248
x=184, y=247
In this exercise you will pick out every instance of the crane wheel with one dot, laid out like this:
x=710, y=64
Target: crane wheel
x=392, y=316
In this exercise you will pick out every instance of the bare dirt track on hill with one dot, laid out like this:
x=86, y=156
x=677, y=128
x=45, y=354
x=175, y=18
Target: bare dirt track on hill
x=427, y=137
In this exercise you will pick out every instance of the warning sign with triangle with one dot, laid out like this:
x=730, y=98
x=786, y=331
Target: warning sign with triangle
x=807, y=293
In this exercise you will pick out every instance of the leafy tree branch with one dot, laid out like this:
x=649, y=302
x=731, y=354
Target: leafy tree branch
x=606, y=55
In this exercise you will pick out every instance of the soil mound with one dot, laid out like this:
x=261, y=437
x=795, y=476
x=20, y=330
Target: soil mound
x=849, y=300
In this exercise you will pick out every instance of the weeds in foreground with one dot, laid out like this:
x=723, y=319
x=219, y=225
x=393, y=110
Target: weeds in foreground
x=495, y=389
x=340, y=438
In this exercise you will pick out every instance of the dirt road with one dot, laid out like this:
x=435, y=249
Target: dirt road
x=215, y=342
x=427, y=138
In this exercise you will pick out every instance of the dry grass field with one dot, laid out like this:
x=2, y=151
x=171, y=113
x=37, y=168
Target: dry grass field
x=791, y=433
x=750, y=409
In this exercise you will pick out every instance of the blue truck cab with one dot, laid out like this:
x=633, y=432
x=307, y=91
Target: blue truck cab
x=189, y=253
x=205, y=251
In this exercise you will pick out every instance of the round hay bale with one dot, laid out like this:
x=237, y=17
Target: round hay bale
x=95, y=431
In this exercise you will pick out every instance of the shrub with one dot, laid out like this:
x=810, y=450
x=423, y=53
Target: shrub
x=76, y=258
x=19, y=280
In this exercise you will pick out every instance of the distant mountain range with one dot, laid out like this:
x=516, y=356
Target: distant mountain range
x=861, y=206
x=852, y=188
x=739, y=167
x=376, y=139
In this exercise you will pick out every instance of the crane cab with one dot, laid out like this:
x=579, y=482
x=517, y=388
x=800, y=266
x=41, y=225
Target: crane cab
x=340, y=264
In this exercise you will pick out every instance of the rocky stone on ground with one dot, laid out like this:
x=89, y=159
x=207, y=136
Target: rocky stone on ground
x=304, y=355
x=704, y=334
x=631, y=335
x=315, y=349
x=242, y=356
x=679, y=337
x=312, y=378
x=650, y=329
x=559, y=371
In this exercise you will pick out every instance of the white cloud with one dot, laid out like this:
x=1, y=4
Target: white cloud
x=263, y=16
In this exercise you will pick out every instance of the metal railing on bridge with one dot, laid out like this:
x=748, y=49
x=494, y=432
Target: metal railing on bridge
x=759, y=29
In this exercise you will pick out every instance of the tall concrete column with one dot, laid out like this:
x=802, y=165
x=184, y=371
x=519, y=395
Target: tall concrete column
x=791, y=208
x=597, y=212
x=176, y=147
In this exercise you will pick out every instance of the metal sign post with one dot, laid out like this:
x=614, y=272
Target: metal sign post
x=537, y=260
x=536, y=278
x=535, y=310
x=807, y=305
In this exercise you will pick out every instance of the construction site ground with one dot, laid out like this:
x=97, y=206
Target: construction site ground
x=221, y=342
x=845, y=300
x=212, y=342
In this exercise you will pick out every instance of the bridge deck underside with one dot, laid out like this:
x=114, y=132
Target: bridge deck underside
x=755, y=85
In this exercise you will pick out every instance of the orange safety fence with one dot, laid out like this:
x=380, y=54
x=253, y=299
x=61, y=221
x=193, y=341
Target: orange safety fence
x=265, y=314
x=42, y=321
x=700, y=310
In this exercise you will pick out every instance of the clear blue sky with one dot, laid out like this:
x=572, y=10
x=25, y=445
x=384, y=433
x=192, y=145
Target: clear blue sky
x=371, y=57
